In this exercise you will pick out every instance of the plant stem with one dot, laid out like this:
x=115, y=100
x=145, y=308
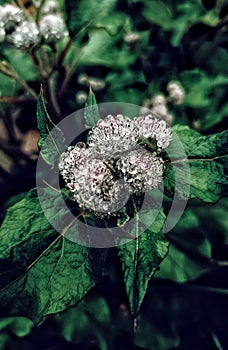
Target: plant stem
x=6, y=69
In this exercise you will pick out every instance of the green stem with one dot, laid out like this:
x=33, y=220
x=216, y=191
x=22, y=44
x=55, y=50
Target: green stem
x=6, y=69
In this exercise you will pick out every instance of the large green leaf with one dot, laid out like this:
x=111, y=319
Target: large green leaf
x=52, y=140
x=208, y=160
x=42, y=272
x=140, y=259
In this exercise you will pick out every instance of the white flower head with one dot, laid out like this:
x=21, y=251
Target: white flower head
x=141, y=169
x=113, y=135
x=90, y=181
x=25, y=36
x=102, y=175
x=150, y=126
x=52, y=28
x=10, y=17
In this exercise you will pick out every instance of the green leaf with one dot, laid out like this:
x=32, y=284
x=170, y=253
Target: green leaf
x=198, y=86
x=91, y=112
x=12, y=328
x=82, y=13
x=158, y=13
x=52, y=140
x=189, y=252
x=207, y=157
x=140, y=259
x=95, y=321
x=19, y=326
x=42, y=272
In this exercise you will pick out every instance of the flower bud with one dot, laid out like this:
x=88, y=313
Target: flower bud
x=49, y=7
x=131, y=38
x=176, y=92
x=158, y=100
x=81, y=97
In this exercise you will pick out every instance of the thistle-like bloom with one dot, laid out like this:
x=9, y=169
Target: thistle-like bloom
x=150, y=126
x=10, y=17
x=141, y=169
x=101, y=177
x=25, y=36
x=52, y=28
x=112, y=136
x=90, y=181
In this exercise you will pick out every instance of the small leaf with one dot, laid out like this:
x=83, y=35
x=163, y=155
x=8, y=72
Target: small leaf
x=140, y=260
x=91, y=113
x=42, y=272
x=208, y=160
x=52, y=140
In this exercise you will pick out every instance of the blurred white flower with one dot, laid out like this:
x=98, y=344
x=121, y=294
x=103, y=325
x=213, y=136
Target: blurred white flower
x=25, y=35
x=2, y=34
x=131, y=38
x=50, y=6
x=52, y=28
x=176, y=92
x=10, y=17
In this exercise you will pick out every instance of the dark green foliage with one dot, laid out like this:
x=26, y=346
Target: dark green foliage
x=208, y=160
x=45, y=269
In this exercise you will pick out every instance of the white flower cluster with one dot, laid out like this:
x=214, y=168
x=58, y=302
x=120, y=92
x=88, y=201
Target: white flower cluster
x=176, y=92
x=24, y=33
x=90, y=181
x=101, y=175
x=158, y=103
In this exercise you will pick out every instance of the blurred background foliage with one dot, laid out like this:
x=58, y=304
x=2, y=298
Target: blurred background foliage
x=129, y=50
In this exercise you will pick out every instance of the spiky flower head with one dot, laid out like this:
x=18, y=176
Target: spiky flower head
x=150, y=126
x=102, y=175
x=52, y=28
x=90, y=181
x=141, y=169
x=25, y=36
x=113, y=135
x=10, y=17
